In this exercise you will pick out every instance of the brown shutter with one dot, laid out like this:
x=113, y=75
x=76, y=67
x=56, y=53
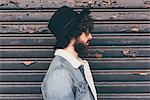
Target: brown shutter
x=119, y=53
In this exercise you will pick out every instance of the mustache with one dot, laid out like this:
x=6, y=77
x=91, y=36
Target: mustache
x=88, y=41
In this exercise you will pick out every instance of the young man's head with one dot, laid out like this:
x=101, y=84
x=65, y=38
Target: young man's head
x=69, y=27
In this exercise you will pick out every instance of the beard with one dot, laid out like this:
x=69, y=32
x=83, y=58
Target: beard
x=81, y=48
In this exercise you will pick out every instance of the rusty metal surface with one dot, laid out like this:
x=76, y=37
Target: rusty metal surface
x=93, y=52
x=97, y=15
x=96, y=63
x=119, y=54
x=99, y=27
x=40, y=4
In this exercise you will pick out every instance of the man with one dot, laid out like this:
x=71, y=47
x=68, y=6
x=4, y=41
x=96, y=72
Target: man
x=69, y=77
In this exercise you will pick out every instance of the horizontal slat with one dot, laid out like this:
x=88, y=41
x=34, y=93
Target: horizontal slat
x=121, y=28
x=80, y=9
x=21, y=97
x=18, y=87
x=102, y=87
x=130, y=63
x=95, y=22
x=93, y=52
x=99, y=75
x=120, y=96
x=126, y=64
x=18, y=4
x=121, y=75
x=90, y=47
x=123, y=87
x=11, y=65
x=45, y=16
x=93, y=33
x=90, y=59
x=127, y=96
x=37, y=34
x=96, y=63
x=97, y=40
x=42, y=28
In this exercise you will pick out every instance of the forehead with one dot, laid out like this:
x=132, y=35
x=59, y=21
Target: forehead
x=84, y=34
x=87, y=32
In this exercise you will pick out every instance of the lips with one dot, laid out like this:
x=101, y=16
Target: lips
x=88, y=42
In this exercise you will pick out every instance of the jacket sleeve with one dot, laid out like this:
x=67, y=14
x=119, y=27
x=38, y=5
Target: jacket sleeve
x=59, y=86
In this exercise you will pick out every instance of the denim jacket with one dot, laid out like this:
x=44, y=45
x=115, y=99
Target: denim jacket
x=64, y=82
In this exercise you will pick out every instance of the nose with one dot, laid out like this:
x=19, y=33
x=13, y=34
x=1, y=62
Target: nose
x=90, y=36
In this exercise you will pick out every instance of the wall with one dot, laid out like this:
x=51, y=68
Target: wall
x=119, y=53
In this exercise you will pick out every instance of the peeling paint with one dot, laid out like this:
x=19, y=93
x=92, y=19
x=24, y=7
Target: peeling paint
x=135, y=29
x=98, y=55
x=129, y=53
x=140, y=73
x=38, y=4
x=25, y=39
x=147, y=3
x=27, y=63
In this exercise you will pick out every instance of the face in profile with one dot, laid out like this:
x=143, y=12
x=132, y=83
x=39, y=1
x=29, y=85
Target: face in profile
x=82, y=43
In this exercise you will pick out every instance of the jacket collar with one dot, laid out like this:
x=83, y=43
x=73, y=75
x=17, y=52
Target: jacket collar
x=69, y=57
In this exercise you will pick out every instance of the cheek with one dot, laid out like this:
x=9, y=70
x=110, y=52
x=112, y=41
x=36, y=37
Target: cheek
x=84, y=39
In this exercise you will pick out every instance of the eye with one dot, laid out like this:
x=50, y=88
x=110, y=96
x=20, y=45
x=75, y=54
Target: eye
x=87, y=32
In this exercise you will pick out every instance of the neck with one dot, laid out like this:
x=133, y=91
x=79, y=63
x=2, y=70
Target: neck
x=70, y=49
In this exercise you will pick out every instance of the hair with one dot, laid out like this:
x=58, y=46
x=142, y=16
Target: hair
x=84, y=24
